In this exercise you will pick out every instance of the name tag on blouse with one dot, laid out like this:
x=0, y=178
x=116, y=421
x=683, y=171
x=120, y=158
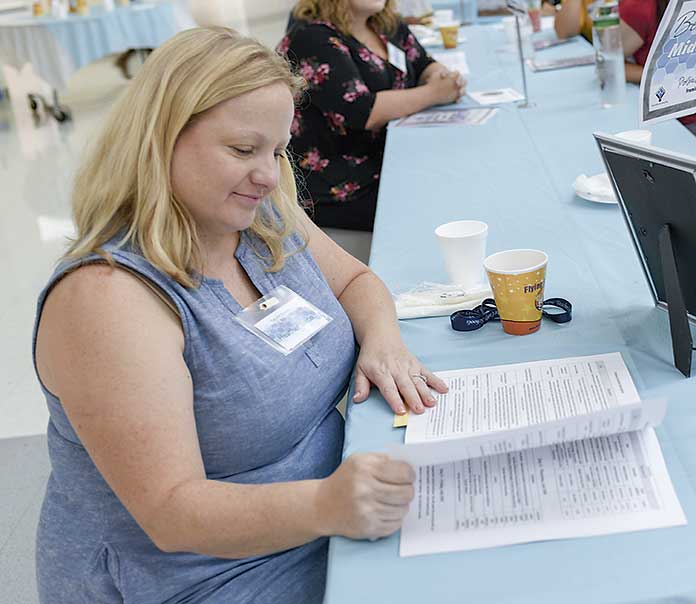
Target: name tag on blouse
x=397, y=57
x=283, y=319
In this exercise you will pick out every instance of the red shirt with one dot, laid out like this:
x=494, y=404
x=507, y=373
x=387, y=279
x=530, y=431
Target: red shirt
x=641, y=17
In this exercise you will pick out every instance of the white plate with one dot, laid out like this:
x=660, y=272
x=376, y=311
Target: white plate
x=593, y=188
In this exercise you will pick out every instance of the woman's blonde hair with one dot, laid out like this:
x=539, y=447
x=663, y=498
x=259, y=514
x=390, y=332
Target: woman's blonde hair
x=338, y=13
x=125, y=183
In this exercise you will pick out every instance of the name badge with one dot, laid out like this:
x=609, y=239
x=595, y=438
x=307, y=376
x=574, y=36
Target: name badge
x=283, y=319
x=397, y=57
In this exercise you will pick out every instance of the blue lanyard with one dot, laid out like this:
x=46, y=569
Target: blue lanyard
x=470, y=320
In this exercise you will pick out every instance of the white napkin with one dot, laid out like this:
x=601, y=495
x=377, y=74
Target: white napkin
x=597, y=185
x=438, y=299
x=453, y=60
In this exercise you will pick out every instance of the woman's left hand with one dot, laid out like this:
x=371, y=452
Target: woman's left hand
x=400, y=377
x=458, y=78
x=438, y=70
x=461, y=82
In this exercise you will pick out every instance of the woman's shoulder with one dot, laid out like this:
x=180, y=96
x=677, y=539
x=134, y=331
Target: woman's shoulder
x=98, y=287
x=307, y=37
x=313, y=30
x=96, y=312
x=115, y=277
x=101, y=295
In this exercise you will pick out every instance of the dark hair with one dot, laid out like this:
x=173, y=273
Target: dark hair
x=661, y=7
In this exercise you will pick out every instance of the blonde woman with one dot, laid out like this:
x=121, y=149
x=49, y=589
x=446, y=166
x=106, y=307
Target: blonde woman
x=191, y=461
x=363, y=68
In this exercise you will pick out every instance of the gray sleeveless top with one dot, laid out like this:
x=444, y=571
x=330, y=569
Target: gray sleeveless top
x=261, y=417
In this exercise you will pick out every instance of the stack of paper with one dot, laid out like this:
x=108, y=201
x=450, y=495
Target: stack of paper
x=535, y=451
x=474, y=116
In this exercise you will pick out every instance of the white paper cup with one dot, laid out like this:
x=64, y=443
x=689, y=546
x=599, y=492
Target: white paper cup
x=463, y=247
x=641, y=137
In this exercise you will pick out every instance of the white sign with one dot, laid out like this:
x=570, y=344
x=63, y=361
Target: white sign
x=668, y=84
x=496, y=97
x=397, y=57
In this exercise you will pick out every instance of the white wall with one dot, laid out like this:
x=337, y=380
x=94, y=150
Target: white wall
x=264, y=19
x=268, y=8
x=11, y=4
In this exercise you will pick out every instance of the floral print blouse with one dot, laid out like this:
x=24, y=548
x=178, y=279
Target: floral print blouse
x=339, y=159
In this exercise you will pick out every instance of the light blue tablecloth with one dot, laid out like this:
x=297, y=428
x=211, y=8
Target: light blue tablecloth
x=516, y=173
x=58, y=47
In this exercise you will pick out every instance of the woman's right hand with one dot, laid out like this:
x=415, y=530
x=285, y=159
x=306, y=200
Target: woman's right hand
x=366, y=497
x=446, y=88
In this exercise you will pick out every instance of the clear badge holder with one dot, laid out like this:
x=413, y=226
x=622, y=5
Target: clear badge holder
x=283, y=319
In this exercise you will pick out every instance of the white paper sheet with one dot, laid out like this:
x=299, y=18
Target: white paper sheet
x=626, y=418
x=562, y=63
x=470, y=116
x=598, y=486
x=590, y=482
x=496, y=97
x=502, y=397
x=454, y=60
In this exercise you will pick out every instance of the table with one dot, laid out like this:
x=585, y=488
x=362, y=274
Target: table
x=58, y=47
x=516, y=173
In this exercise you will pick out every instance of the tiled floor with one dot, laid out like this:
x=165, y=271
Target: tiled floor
x=36, y=167
x=24, y=469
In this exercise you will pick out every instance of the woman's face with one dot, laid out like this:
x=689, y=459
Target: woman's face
x=366, y=8
x=227, y=160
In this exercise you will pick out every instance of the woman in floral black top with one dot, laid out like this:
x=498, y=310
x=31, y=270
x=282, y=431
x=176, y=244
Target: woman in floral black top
x=363, y=68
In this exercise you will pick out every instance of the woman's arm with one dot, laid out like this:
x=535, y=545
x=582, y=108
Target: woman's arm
x=392, y=104
x=569, y=18
x=633, y=73
x=431, y=70
x=384, y=360
x=113, y=353
x=336, y=85
x=631, y=41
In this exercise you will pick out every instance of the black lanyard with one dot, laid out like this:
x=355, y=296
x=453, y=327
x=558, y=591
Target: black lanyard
x=470, y=320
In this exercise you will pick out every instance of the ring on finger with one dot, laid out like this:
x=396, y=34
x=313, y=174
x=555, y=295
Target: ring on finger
x=420, y=376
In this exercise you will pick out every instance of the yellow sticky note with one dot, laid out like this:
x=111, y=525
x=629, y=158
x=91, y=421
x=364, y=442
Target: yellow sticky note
x=401, y=421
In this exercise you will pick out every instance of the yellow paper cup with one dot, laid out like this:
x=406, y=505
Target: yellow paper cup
x=517, y=279
x=449, y=33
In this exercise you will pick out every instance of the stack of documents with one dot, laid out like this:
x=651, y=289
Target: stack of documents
x=473, y=116
x=535, y=451
x=564, y=63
